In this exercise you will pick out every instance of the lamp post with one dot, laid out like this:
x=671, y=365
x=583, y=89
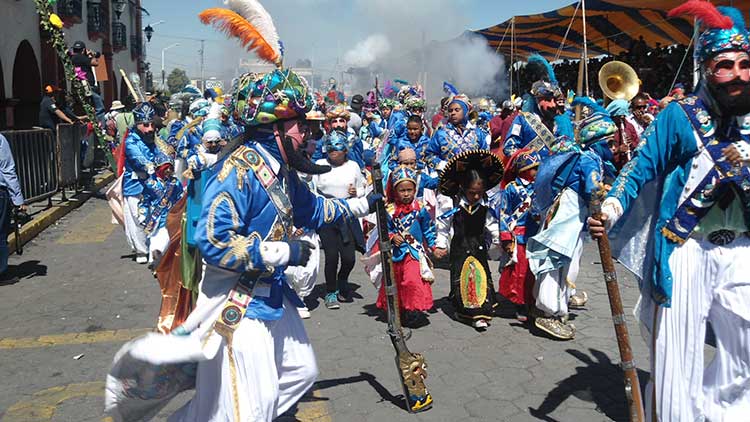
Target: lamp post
x=149, y=29
x=163, y=75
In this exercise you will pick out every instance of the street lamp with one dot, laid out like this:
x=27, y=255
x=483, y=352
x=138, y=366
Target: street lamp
x=163, y=75
x=149, y=29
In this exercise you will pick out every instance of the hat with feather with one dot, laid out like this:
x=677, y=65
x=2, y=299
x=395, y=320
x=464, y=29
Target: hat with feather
x=723, y=28
x=280, y=94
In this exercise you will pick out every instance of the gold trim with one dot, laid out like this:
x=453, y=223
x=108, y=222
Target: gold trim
x=670, y=235
x=222, y=197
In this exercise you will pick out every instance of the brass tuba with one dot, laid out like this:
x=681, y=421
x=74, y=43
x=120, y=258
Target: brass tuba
x=619, y=81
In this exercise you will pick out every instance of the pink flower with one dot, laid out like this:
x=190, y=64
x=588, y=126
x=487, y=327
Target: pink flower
x=80, y=74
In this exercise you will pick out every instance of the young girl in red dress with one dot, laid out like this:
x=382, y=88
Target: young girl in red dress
x=412, y=233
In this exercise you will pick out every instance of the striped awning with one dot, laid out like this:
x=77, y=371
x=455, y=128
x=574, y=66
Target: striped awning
x=611, y=27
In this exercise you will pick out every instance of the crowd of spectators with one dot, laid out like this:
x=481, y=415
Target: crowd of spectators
x=656, y=67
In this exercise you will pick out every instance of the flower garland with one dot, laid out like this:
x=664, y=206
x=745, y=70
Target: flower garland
x=52, y=25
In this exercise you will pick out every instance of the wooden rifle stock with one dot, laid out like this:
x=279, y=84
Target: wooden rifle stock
x=630, y=372
x=412, y=368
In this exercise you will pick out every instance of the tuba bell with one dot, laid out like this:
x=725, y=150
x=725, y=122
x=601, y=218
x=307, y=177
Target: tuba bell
x=619, y=81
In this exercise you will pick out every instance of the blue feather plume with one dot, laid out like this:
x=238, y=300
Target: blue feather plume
x=537, y=58
x=734, y=14
x=449, y=89
x=590, y=103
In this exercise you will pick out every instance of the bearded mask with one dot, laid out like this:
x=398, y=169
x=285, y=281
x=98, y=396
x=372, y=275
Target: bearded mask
x=292, y=140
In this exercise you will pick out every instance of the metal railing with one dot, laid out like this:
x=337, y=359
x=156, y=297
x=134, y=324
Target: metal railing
x=68, y=147
x=34, y=152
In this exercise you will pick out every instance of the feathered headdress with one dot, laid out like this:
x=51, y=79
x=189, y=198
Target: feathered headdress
x=248, y=21
x=540, y=69
x=590, y=103
x=724, y=28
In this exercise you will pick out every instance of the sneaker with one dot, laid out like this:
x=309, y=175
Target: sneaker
x=480, y=324
x=304, y=313
x=555, y=328
x=141, y=259
x=578, y=300
x=331, y=301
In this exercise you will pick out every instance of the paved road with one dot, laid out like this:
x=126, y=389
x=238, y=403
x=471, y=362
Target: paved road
x=81, y=294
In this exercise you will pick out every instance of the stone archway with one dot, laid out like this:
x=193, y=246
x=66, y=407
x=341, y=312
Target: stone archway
x=27, y=87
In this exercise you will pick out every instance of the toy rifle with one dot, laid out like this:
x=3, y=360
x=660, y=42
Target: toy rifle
x=411, y=367
x=632, y=386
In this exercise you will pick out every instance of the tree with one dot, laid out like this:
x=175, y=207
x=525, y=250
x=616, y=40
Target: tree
x=177, y=80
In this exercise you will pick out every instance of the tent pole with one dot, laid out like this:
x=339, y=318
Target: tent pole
x=585, y=47
x=512, y=50
x=579, y=88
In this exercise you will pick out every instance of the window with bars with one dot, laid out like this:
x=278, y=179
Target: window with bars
x=119, y=36
x=95, y=20
x=70, y=11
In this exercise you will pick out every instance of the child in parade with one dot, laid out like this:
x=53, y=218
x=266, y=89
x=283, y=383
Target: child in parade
x=411, y=229
x=416, y=141
x=339, y=241
x=466, y=179
x=517, y=223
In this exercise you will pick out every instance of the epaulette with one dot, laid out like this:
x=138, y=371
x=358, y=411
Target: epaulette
x=390, y=207
x=194, y=123
x=239, y=160
x=164, y=147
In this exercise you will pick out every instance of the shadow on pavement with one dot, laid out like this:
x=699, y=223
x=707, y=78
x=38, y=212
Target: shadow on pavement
x=25, y=270
x=598, y=381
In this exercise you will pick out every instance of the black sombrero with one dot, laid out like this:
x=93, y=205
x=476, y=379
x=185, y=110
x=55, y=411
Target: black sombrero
x=487, y=164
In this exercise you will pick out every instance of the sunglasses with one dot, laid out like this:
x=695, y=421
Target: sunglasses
x=149, y=124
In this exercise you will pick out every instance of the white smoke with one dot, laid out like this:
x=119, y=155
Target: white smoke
x=368, y=51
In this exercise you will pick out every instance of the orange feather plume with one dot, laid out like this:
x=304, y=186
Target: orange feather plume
x=233, y=24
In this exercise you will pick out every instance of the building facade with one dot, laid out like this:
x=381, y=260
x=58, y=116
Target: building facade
x=28, y=62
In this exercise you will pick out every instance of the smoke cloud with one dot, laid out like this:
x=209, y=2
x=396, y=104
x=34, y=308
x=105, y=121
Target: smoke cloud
x=421, y=41
x=366, y=52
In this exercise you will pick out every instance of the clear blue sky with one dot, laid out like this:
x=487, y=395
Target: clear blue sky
x=322, y=30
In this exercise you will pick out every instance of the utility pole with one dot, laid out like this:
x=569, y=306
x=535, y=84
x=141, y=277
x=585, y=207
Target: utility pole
x=203, y=79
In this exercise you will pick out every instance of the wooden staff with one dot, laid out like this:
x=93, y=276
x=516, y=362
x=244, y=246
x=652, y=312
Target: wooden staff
x=135, y=95
x=632, y=385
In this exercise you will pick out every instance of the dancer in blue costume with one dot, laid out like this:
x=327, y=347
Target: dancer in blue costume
x=416, y=140
x=338, y=118
x=457, y=136
x=680, y=212
x=140, y=149
x=244, y=348
x=563, y=189
x=541, y=123
x=160, y=194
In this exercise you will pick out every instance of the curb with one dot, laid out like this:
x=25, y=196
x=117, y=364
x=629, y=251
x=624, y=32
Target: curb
x=49, y=216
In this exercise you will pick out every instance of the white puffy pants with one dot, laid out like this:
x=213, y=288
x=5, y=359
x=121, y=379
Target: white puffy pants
x=303, y=278
x=710, y=284
x=133, y=230
x=275, y=366
x=554, y=288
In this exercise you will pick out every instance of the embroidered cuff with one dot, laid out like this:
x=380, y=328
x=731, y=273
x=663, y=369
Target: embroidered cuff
x=744, y=149
x=613, y=209
x=275, y=254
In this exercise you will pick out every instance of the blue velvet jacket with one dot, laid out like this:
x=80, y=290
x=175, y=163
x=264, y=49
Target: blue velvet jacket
x=671, y=154
x=238, y=215
x=139, y=164
x=420, y=147
x=521, y=133
x=447, y=142
x=418, y=225
x=514, y=214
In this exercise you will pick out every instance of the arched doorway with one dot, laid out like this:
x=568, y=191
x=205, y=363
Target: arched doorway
x=27, y=87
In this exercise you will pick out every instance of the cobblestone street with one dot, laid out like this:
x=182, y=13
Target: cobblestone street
x=81, y=297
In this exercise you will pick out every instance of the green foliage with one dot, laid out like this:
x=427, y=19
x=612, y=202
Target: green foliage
x=57, y=40
x=177, y=80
